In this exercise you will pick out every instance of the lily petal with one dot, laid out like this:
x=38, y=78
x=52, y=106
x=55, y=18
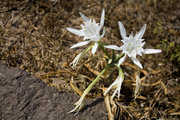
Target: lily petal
x=152, y=51
x=136, y=61
x=119, y=86
x=122, y=30
x=114, y=47
x=138, y=84
x=121, y=60
x=76, y=60
x=94, y=48
x=114, y=93
x=74, y=31
x=131, y=36
x=104, y=30
x=80, y=44
x=109, y=88
x=102, y=20
x=84, y=17
x=141, y=32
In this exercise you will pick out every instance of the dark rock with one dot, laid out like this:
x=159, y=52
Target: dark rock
x=23, y=96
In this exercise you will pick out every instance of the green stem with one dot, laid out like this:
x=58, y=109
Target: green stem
x=105, y=52
x=87, y=49
x=119, y=57
x=92, y=84
x=120, y=71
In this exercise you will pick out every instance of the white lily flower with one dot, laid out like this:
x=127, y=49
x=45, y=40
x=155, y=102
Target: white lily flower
x=90, y=31
x=116, y=84
x=132, y=46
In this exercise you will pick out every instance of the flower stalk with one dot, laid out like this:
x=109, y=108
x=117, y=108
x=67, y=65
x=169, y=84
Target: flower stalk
x=104, y=50
x=79, y=103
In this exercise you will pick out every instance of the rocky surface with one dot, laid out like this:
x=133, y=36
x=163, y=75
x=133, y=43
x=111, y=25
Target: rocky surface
x=24, y=97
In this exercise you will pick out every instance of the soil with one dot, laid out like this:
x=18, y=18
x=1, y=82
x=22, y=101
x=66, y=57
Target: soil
x=35, y=77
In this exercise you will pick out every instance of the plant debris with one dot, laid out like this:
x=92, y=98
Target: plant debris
x=33, y=37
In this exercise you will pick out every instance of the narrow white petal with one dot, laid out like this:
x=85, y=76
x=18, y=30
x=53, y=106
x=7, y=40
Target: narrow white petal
x=138, y=84
x=76, y=60
x=80, y=44
x=74, y=31
x=119, y=90
x=136, y=61
x=122, y=47
x=152, y=51
x=84, y=17
x=122, y=30
x=114, y=93
x=79, y=104
x=121, y=60
x=114, y=47
x=102, y=20
x=141, y=32
x=94, y=22
x=116, y=84
x=94, y=48
x=107, y=90
x=104, y=30
x=119, y=86
x=131, y=36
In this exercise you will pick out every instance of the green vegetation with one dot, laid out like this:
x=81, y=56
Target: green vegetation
x=172, y=49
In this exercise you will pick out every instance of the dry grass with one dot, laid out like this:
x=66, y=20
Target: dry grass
x=33, y=37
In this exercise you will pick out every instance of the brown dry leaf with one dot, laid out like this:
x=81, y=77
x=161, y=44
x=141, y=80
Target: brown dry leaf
x=108, y=106
x=141, y=97
x=175, y=113
x=92, y=70
x=155, y=71
x=77, y=90
x=155, y=84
